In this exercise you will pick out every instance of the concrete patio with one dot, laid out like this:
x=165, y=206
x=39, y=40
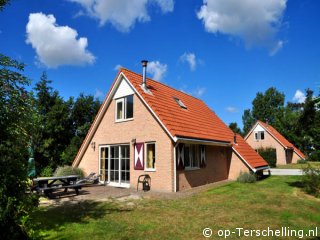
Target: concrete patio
x=108, y=193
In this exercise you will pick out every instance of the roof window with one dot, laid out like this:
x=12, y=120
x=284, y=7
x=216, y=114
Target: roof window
x=181, y=104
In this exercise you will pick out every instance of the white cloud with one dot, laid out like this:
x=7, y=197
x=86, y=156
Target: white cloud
x=157, y=69
x=232, y=109
x=299, y=97
x=56, y=45
x=98, y=93
x=255, y=21
x=165, y=5
x=199, y=92
x=190, y=58
x=276, y=48
x=117, y=67
x=122, y=14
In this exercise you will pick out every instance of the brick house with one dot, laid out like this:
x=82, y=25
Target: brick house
x=146, y=127
x=263, y=135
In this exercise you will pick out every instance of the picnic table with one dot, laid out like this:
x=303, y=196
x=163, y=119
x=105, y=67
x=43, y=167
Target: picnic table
x=47, y=185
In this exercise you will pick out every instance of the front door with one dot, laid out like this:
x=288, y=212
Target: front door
x=115, y=165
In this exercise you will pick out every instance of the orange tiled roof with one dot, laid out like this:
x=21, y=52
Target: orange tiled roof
x=197, y=121
x=281, y=138
x=248, y=153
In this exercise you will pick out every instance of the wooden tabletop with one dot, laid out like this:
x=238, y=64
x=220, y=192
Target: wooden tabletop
x=55, y=178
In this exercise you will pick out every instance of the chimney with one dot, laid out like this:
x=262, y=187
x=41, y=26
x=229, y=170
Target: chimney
x=235, y=138
x=144, y=73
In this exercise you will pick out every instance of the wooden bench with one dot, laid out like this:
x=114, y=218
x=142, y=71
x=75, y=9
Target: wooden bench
x=49, y=190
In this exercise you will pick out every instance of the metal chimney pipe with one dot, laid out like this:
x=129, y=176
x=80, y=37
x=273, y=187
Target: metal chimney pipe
x=144, y=73
x=235, y=138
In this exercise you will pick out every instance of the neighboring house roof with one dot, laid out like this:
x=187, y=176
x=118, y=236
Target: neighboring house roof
x=197, y=121
x=248, y=154
x=278, y=136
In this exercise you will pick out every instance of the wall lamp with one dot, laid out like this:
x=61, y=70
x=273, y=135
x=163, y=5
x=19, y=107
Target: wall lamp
x=93, y=145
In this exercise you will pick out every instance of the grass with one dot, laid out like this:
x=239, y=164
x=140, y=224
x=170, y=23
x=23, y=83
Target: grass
x=274, y=202
x=299, y=166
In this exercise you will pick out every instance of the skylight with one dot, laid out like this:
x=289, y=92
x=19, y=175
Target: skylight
x=181, y=104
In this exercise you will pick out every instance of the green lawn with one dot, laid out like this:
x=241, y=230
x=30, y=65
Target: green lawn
x=299, y=166
x=274, y=202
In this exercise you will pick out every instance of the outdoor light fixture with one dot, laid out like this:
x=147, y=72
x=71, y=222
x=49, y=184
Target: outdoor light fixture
x=133, y=141
x=93, y=145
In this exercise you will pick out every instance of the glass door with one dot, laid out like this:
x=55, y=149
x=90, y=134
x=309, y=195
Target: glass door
x=104, y=164
x=125, y=165
x=115, y=165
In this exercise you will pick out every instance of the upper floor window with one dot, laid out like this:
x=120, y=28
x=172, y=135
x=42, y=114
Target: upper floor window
x=124, y=108
x=259, y=135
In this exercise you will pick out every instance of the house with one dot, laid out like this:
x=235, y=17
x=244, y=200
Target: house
x=146, y=127
x=263, y=135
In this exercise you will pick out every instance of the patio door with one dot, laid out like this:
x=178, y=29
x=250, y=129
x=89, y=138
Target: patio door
x=115, y=165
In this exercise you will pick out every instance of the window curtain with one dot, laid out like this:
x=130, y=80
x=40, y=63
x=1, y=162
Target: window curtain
x=150, y=156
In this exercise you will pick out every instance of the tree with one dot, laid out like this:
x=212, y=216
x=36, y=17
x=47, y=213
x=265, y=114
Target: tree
x=248, y=121
x=3, y=3
x=267, y=107
x=83, y=112
x=234, y=127
x=15, y=128
x=309, y=127
x=55, y=129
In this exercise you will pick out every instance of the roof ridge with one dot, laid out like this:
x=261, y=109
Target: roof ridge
x=155, y=81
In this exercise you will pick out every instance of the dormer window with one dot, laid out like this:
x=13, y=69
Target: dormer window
x=180, y=103
x=124, y=108
x=259, y=135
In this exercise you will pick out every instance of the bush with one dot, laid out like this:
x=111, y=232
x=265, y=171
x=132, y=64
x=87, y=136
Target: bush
x=270, y=155
x=246, y=177
x=311, y=180
x=46, y=172
x=68, y=170
x=301, y=161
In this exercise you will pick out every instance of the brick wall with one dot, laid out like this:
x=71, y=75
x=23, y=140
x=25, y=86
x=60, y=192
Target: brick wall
x=270, y=142
x=222, y=164
x=236, y=167
x=143, y=128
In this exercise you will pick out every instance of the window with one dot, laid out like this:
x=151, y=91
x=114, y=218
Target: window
x=180, y=103
x=150, y=156
x=259, y=135
x=124, y=108
x=191, y=156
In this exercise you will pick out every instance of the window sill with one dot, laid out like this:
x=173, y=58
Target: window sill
x=124, y=120
x=191, y=168
x=150, y=170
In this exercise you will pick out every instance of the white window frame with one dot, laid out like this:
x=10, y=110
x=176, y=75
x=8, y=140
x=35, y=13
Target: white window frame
x=257, y=135
x=197, y=154
x=146, y=169
x=124, y=109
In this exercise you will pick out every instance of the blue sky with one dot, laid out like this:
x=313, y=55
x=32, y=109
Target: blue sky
x=222, y=51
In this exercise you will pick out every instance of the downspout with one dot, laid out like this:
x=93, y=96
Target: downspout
x=174, y=168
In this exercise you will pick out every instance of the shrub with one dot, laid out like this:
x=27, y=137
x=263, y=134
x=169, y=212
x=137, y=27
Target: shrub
x=270, y=155
x=46, y=172
x=311, y=180
x=246, y=177
x=301, y=161
x=68, y=170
